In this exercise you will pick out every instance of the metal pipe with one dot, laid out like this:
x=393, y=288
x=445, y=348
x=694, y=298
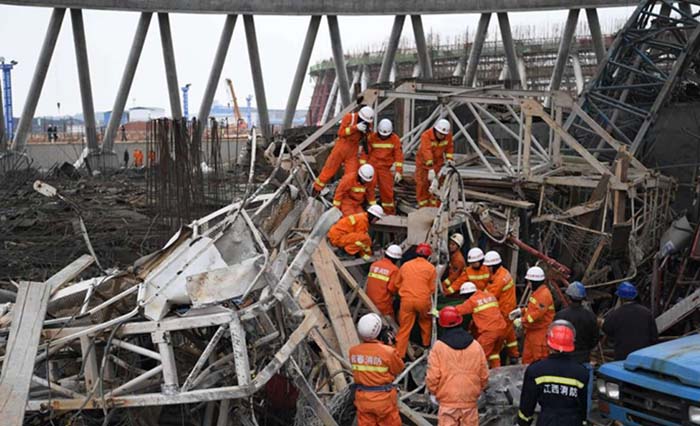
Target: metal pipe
x=509, y=47
x=42, y=67
x=564, y=47
x=391, y=47
x=215, y=74
x=258, y=82
x=134, y=382
x=329, y=102
x=127, y=78
x=596, y=34
x=341, y=70
x=136, y=349
x=81, y=57
x=166, y=41
x=578, y=73
x=300, y=74
x=475, y=52
x=422, y=47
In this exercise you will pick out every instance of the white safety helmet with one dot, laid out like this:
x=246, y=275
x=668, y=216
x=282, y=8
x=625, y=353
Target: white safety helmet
x=492, y=258
x=366, y=172
x=442, y=126
x=385, y=127
x=369, y=326
x=394, y=251
x=475, y=255
x=367, y=114
x=535, y=273
x=467, y=288
x=457, y=239
x=376, y=211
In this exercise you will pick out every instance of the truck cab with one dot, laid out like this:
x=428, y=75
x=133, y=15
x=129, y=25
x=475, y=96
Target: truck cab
x=658, y=385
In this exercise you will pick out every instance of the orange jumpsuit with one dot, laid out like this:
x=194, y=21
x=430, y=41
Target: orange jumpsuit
x=415, y=284
x=350, y=233
x=374, y=368
x=503, y=287
x=480, y=278
x=489, y=323
x=381, y=274
x=384, y=153
x=537, y=316
x=344, y=152
x=138, y=158
x=351, y=193
x=457, y=265
x=430, y=156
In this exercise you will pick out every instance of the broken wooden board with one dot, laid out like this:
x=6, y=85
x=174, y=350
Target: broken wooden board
x=69, y=273
x=575, y=211
x=498, y=199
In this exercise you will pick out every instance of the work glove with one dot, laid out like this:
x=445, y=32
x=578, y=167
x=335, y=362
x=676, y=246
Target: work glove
x=362, y=126
x=431, y=174
x=434, y=400
x=451, y=163
x=434, y=312
x=515, y=313
x=434, y=187
x=397, y=177
x=518, y=323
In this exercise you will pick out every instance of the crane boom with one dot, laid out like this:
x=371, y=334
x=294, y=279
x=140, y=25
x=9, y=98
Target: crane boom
x=236, y=111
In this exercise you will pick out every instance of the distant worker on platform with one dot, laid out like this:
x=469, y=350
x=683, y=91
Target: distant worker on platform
x=487, y=320
x=436, y=146
x=351, y=233
x=583, y=320
x=536, y=317
x=476, y=271
x=353, y=128
x=384, y=152
x=375, y=365
x=631, y=325
x=382, y=274
x=502, y=286
x=355, y=189
x=457, y=264
x=457, y=372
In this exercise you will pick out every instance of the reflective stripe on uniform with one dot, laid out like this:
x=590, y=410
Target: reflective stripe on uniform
x=524, y=417
x=449, y=156
x=373, y=203
x=512, y=344
x=559, y=380
x=494, y=356
x=551, y=307
x=478, y=277
x=387, y=204
x=422, y=203
x=378, y=276
x=533, y=300
x=443, y=143
x=447, y=282
x=429, y=163
x=360, y=244
x=363, y=161
x=337, y=203
x=508, y=286
x=486, y=306
x=397, y=164
x=450, y=290
x=529, y=319
x=358, y=189
x=352, y=219
x=383, y=145
x=372, y=368
x=348, y=130
x=319, y=183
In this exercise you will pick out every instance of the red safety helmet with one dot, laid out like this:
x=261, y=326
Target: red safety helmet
x=449, y=317
x=424, y=250
x=561, y=336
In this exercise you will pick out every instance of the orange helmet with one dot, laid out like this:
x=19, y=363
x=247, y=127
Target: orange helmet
x=449, y=317
x=561, y=336
x=424, y=250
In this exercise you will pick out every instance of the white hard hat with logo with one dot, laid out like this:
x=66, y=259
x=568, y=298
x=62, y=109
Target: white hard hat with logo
x=442, y=126
x=366, y=172
x=467, y=288
x=385, y=127
x=475, y=255
x=394, y=251
x=535, y=273
x=457, y=239
x=367, y=114
x=492, y=258
x=376, y=211
x=369, y=326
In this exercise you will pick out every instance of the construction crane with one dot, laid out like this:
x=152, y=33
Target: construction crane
x=236, y=111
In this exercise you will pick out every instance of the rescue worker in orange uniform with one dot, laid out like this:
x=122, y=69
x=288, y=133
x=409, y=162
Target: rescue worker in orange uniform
x=381, y=274
x=354, y=189
x=536, y=317
x=138, y=158
x=353, y=128
x=476, y=271
x=351, y=232
x=416, y=286
x=436, y=146
x=375, y=365
x=503, y=287
x=384, y=152
x=457, y=264
x=488, y=321
x=457, y=372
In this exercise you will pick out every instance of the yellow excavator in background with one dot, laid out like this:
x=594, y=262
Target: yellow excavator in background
x=242, y=125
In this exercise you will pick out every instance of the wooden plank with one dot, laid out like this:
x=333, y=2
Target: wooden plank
x=69, y=273
x=498, y=200
x=332, y=291
x=570, y=213
x=18, y=368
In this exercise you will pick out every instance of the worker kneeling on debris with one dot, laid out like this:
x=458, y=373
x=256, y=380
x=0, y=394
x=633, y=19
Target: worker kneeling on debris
x=457, y=264
x=375, y=365
x=488, y=321
x=381, y=275
x=457, y=372
x=351, y=232
x=536, y=317
x=354, y=189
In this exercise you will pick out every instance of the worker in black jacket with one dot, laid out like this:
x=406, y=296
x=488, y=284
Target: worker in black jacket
x=631, y=326
x=584, y=321
x=558, y=383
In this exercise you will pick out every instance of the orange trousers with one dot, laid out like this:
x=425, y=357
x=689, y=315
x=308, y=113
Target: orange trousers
x=407, y=317
x=343, y=153
x=388, y=416
x=511, y=341
x=353, y=242
x=385, y=180
x=458, y=416
x=492, y=343
x=535, y=346
x=423, y=196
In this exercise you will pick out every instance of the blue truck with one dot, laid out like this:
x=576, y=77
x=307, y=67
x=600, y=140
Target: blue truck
x=658, y=385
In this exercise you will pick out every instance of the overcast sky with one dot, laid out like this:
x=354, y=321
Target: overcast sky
x=109, y=36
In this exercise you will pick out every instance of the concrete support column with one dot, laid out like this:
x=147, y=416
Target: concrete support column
x=426, y=66
x=166, y=41
x=127, y=78
x=564, y=46
x=475, y=52
x=596, y=34
x=391, y=47
x=300, y=74
x=256, y=69
x=42, y=66
x=509, y=47
x=341, y=71
x=81, y=57
x=215, y=74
